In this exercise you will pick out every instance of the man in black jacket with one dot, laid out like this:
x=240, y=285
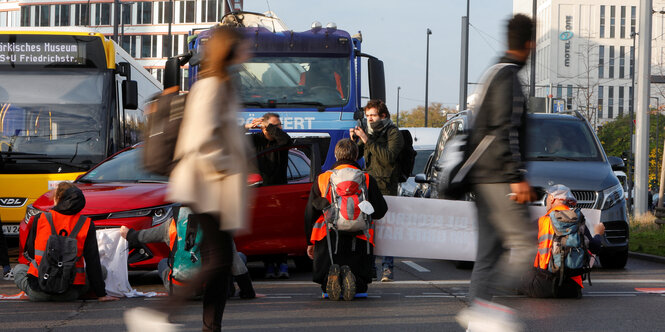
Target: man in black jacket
x=498, y=180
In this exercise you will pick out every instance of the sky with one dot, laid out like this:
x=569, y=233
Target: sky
x=396, y=32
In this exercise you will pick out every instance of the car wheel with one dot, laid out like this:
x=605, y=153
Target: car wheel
x=303, y=263
x=614, y=261
x=463, y=265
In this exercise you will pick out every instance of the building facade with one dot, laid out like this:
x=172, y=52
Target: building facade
x=143, y=26
x=586, y=54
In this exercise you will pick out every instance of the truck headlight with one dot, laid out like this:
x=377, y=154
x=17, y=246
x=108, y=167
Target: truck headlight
x=611, y=196
x=31, y=211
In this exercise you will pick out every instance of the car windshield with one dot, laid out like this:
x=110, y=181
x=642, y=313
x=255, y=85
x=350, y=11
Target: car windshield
x=294, y=81
x=46, y=116
x=421, y=160
x=126, y=166
x=560, y=140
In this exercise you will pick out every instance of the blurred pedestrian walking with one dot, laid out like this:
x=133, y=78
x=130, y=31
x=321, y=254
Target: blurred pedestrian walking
x=210, y=178
x=501, y=191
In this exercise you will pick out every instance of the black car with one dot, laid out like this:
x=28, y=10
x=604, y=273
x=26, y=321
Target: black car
x=561, y=148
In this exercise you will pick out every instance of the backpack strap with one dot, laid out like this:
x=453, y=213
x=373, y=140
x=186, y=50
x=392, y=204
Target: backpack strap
x=78, y=226
x=49, y=218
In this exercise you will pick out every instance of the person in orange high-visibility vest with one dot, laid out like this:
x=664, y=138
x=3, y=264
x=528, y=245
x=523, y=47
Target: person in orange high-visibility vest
x=350, y=249
x=539, y=282
x=69, y=201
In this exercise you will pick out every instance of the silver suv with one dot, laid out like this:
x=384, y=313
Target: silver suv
x=560, y=149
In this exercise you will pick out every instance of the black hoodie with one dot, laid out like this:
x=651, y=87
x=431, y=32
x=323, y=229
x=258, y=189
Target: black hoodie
x=72, y=203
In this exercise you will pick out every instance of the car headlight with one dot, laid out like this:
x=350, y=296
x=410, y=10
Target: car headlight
x=611, y=196
x=158, y=214
x=31, y=211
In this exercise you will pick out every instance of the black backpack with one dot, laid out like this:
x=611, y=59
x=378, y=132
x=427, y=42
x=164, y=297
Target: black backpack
x=161, y=136
x=57, y=269
x=406, y=157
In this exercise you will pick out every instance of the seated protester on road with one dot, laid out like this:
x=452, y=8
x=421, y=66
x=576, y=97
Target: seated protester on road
x=69, y=201
x=166, y=232
x=539, y=282
x=272, y=165
x=351, y=248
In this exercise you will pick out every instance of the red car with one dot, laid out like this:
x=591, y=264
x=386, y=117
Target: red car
x=120, y=192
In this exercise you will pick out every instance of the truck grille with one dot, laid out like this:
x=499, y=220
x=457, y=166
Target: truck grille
x=586, y=199
x=616, y=232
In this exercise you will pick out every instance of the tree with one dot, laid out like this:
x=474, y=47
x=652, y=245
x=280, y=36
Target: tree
x=436, y=116
x=585, y=97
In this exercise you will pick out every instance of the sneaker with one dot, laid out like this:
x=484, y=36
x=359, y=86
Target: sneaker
x=333, y=286
x=348, y=283
x=143, y=319
x=270, y=272
x=387, y=275
x=488, y=316
x=8, y=275
x=283, y=271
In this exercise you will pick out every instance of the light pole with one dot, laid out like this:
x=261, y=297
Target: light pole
x=429, y=32
x=657, y=129
x=398, y=88
x=632, y=125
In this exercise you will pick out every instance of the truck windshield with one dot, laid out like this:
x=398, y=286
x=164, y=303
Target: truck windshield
x=52, y=121
x=294, y=81
x=560, y=140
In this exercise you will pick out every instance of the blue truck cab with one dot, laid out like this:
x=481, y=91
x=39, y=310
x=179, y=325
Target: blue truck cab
x=312, y=79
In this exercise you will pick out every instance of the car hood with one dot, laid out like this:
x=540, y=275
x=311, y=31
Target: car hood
x=577, y=175
x=112, y=197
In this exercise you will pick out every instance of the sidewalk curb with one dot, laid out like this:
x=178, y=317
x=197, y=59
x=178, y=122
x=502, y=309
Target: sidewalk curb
x=647, y=257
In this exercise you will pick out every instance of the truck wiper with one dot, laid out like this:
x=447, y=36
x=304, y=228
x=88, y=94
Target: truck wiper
x=50, y=159
x=554, y=158
x=13, y=153
x=255, y=103
x=306, y=103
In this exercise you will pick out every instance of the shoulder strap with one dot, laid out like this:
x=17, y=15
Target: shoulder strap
x=49, y=218
x=78, y=226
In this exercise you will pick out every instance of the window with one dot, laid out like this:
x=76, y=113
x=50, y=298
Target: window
x=184, y=79
x=630, y=100
x=164, y=12
x=211, y=10
x=157, y=73
x=600, y=100
x=144, y=12
x=620, y=101
x=61, y=17
x=172, y=46
x=622, y=61
x=569, y=97
x=611, y=58
x=148, y=46
x=101, y=14
x=622, y=28
x=610, y=102
x=632, y=20
x=612, y=20
x=81, y=15
x=126, y=15
x=42, y=17
x=25, y=16
x=129, y=44
x=187, y=11
x=601, y=61
x=602, y=22
x=632, y=61
x=559, y=90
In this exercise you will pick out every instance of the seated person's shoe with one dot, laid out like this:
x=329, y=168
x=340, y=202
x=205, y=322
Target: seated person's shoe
x=334, y=286
x=348, y=283
x=283, y=271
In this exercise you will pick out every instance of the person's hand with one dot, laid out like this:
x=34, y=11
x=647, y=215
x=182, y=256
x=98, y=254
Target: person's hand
x=123, y=231
x=599, y=229
x=522, y=192
x=107, y=298
x=310, y=252
x=352, y=132
x=360, y=133
x=255, y=123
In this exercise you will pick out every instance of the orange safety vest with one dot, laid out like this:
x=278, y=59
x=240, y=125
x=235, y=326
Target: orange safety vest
x=338, y=82
x=319, y=230
x=66, y=223
x=545, y=238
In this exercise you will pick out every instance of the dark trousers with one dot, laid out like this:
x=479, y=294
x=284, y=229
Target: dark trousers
x=541, y=284
x=351, y=251
x=215, y=274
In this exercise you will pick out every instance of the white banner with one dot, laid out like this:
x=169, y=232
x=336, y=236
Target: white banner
x=437, y=228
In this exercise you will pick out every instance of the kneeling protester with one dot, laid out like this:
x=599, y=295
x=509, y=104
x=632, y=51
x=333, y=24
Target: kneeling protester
x=339, y=225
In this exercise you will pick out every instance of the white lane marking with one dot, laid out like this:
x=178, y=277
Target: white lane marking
x=277, y=297
x=432, y=296
x=415, y=266
x=605, y=295
x=456, y=282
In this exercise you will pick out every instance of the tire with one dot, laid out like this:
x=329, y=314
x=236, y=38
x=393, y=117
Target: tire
x=463, y=265
x=615, y=260
x=303, y=263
